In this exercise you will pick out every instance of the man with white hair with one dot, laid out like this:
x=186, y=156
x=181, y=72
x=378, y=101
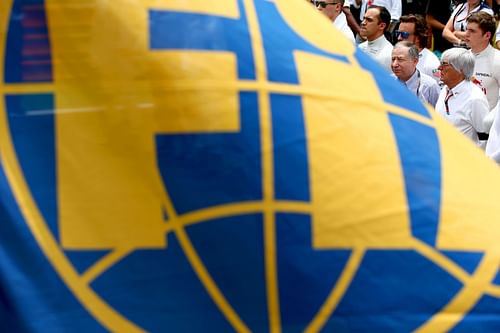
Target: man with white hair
x=461, y=102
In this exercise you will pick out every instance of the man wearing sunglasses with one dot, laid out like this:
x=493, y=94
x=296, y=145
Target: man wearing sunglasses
x=375, y=22
x=413, y=28
x=333, y=10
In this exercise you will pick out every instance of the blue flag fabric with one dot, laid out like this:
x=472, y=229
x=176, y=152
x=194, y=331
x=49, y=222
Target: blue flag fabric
x=221, y=166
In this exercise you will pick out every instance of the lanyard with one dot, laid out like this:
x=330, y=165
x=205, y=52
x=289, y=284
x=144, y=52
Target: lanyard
x=449, y=93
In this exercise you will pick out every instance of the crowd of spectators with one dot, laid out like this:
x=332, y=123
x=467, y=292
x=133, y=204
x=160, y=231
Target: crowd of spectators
x=446, y=52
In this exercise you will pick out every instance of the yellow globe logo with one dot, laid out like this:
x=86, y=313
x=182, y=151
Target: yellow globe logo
x=234, y=165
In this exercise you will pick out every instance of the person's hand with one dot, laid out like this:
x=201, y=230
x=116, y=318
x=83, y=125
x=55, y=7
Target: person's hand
x=460, y=36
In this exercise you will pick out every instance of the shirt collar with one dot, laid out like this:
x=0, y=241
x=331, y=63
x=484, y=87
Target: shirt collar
x=377, y=41
x=413, y=81
x=459, y=88
x=483, y=52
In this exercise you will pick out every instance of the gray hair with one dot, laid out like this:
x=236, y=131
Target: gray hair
x=461, y=59
x=412, y=48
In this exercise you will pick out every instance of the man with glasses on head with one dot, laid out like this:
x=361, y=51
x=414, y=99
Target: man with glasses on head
x=333, y=10
x=462, y=102
x=413, y=28
x=404, y=66
x=375, y=23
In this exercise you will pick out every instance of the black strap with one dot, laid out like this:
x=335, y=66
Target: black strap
x=462, y=8
x=482, y=136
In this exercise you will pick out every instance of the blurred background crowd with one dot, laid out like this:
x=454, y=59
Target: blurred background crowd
x=444, y=51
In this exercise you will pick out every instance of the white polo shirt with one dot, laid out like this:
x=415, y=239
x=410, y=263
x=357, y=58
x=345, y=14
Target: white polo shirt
x=467, y=108
x=341, y=24
x=493, y=145
x=379, y=49
x=487, y=71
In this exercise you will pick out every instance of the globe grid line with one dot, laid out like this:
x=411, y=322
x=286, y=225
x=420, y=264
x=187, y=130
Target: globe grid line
x=461, y=304
x=266, y=86
x=270, y=257
x=441, y=260
x=241, y=208
x=493, y=290
x=199, y=268
x=338, y=291
x=102, y=265
x=206, y=279
x=242, y=85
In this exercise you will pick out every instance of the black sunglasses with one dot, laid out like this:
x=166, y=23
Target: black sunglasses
x=323, y=4
x=403, y=34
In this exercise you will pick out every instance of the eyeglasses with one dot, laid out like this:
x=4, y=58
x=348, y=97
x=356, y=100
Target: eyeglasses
x=403, y=34
x=323, y=4
x=444, y=64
